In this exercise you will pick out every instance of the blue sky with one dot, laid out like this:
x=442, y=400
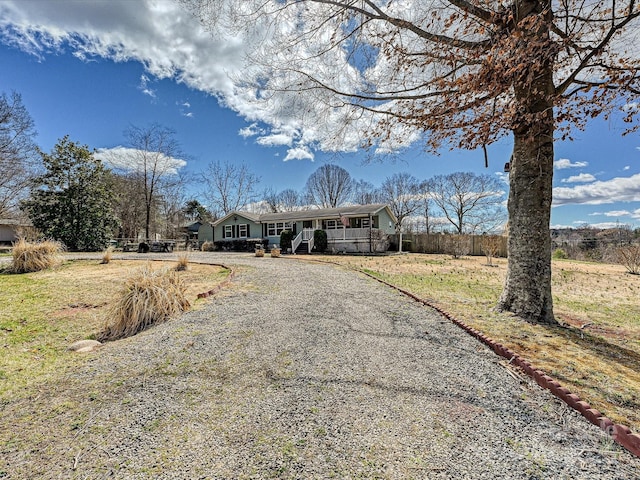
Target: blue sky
x=91, y=69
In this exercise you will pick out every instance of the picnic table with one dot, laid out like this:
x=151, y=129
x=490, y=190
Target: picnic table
x=166, y=246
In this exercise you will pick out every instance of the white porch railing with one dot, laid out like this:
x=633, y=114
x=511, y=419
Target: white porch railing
x=310, y=243
x=296, y=242
x=348, y=233
x=307, y=234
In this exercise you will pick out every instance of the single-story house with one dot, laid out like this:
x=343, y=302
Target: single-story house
x=190, y=230
x=356, y=228
x=11, y=229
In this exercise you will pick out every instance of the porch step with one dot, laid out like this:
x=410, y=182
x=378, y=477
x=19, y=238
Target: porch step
x=302, y=249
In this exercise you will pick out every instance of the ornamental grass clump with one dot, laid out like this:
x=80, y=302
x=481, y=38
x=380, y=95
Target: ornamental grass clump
x=183, y=262
x=36, y=256
x=107, y=255
x=146, y=298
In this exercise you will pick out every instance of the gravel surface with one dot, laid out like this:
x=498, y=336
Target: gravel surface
x=308, y=371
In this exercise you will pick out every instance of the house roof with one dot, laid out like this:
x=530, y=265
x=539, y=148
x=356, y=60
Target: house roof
x=193, y=226
x=249, y=216
x=13, y=221
x=312, y=214
x=320, y=213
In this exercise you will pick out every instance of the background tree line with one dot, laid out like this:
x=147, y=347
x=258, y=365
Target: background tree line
x=85, y=197
x=460, y=202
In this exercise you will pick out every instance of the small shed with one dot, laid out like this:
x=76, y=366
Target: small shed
x=11, y=229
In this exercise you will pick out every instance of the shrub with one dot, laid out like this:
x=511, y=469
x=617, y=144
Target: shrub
x=559, y=254
x=380, y=241
x=33, y=257
x=207, y=246
x=253, y=243
x=490, y=247
x=629, y=256
x=320, y=242
x=146, y=298
x=457, y=245
x=285, y=240
x=106, y=255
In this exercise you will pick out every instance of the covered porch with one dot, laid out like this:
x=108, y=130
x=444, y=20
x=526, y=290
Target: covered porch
x=343, y=239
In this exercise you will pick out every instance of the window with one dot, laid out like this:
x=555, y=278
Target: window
x=275, y=229
x=236, y=231
x=364, y=223
x=333, y=224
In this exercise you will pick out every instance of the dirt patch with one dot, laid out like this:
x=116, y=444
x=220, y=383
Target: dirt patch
x=604, y=331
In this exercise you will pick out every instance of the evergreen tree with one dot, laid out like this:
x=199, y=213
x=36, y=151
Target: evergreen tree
x=73, y=201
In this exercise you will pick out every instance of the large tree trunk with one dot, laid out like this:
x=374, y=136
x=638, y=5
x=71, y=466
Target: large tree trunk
x=527, y=288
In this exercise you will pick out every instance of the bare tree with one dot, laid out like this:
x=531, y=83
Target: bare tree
x=427, y=204
x=229, y=187
x=171, y=207
x=287, y=200
x=469, y=202
x=460, y=72
x=401, y=191
x=270, y=198
x=129, y=205
x=365, y=193
x=17, y=152
x=151, y=160
x=329, y=186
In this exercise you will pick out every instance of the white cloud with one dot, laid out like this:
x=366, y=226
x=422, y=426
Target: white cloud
x=251, y=131
x=299, y=153
x=612, y=213
x=582, y=178
x=602, y=225
x=144, y=88
x=503, y=177
x=563, y=163
x=617, y=213
x=619, y=189
x=626, y=167
x=184, y=109
x=132, y=160
x=171, y=43
x=276, y=139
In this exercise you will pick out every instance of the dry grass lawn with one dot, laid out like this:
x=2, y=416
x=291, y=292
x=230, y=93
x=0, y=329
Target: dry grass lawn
x=44, y=312
x=596, y=351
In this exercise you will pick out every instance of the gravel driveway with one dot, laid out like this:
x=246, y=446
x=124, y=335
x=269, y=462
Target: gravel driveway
x=307, y=371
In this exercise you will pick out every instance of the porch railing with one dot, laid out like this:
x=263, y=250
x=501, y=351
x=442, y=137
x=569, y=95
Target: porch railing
x=296, y=242
x=310, y=243
x=348, y=233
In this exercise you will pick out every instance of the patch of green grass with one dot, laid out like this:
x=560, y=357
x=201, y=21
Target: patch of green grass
x=44, y=312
